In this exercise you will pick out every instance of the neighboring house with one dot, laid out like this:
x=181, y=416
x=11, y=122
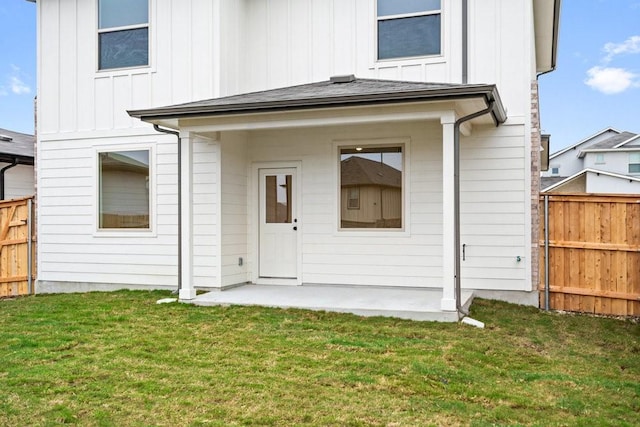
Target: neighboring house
x=16, y=165
x=252, y=190
x=608, y=162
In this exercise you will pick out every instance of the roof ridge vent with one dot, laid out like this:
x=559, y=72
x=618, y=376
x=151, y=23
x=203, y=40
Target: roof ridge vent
x=345, y=78
x=5, y=138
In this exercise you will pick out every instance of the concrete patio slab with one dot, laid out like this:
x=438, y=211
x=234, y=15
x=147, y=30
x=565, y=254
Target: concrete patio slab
x=404, y=303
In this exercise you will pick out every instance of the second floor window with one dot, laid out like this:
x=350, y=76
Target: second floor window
x=123, y=33
x=634, y=163
x=408, y=28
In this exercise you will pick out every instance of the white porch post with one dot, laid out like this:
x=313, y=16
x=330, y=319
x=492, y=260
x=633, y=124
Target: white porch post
x=187, y=291
x=448, y=302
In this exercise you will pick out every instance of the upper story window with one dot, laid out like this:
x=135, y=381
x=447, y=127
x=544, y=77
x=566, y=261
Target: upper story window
x=408, y=28
x=634, y=162
x=123, y=33
x=555, y=170
x=599, y=159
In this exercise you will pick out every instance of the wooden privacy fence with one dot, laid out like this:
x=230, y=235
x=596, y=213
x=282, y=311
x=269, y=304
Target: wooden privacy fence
x=17, y=260
x=594, y=253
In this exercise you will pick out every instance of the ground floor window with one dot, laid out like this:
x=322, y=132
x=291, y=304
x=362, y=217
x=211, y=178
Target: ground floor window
x=371, y=187
x=124, y=198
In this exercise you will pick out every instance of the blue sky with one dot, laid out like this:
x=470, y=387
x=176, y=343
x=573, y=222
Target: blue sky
x=596, y=84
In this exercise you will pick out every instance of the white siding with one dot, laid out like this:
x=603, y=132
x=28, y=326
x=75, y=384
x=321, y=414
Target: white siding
x=393, y=258
x=206, y=213
x=493, y=203
x=71, y=249
x=604, y=184
x=234, y=209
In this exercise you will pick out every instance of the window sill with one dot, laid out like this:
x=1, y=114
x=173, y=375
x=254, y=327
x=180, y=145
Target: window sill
x=115, y=233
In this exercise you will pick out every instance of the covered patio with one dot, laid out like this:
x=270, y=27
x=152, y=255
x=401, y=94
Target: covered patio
x=230, y=148
x=404, y=303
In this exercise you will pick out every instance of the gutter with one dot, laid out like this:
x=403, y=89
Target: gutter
x=556, y=37
x=487, y=92
x=177, y=134
x=456, y=200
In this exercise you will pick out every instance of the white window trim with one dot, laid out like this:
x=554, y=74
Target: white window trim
x=405, y=143
x=633, y=161
x=124, y=232
x=120, y=70
x=435, y=58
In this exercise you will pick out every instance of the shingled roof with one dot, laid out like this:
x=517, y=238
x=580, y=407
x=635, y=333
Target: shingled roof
x=360, y=171
x=16, y=146
x=339, y=91
x=613, y=141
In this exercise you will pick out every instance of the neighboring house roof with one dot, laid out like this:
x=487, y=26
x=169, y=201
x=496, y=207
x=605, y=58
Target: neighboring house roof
x=584, y=141
x=340, y=91
x=610, y=144
x=360, y=171
x=548, y=181
x=588, y=170
x=16, y=146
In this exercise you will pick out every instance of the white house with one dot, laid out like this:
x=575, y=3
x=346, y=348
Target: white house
x=17, y=177
x=608, y=162
x=266, y=99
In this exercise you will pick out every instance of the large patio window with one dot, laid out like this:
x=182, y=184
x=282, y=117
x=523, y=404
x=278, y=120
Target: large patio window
x=124, y=189
x=123, y=33
x=408, y=28
x=371, y=187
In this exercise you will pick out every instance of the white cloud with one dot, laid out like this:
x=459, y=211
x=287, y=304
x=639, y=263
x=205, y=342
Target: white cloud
x=14, y=83
x=18, y=86
x=610, y=81
x=630, y=45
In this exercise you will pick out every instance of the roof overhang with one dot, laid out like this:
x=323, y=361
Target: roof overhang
x=322, y=104
x=546, y=17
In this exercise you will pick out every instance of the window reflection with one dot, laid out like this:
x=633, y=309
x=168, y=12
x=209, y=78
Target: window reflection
x=371, y=187
x=278, y=199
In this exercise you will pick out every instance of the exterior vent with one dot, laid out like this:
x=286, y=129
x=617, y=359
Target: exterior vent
x=347, y=78
x=5, y=138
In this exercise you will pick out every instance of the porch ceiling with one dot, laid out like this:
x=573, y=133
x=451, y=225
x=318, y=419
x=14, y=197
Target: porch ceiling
x=330, y=102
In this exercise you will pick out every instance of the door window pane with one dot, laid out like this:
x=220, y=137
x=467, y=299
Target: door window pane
x=371, y=187
x=124, y=189
x=278, y=199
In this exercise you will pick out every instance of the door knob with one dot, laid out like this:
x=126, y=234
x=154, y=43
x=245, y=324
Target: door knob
x=295, y=228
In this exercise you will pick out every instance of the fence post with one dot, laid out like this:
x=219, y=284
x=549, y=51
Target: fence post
x=30, y=246
x=546, y=252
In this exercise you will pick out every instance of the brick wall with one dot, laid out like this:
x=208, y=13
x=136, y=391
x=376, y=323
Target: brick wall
x=535, y=185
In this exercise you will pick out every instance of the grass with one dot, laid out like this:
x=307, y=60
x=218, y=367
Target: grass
x=118, y=359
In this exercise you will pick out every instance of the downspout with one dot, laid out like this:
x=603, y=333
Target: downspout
x=465, y=41
x=177, y=134
x=2, y=171
x=456, y=200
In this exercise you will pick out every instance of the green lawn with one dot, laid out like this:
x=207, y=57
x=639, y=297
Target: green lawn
x=120, y=359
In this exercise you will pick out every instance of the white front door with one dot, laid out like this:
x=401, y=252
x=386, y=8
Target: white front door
x=278, y=242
